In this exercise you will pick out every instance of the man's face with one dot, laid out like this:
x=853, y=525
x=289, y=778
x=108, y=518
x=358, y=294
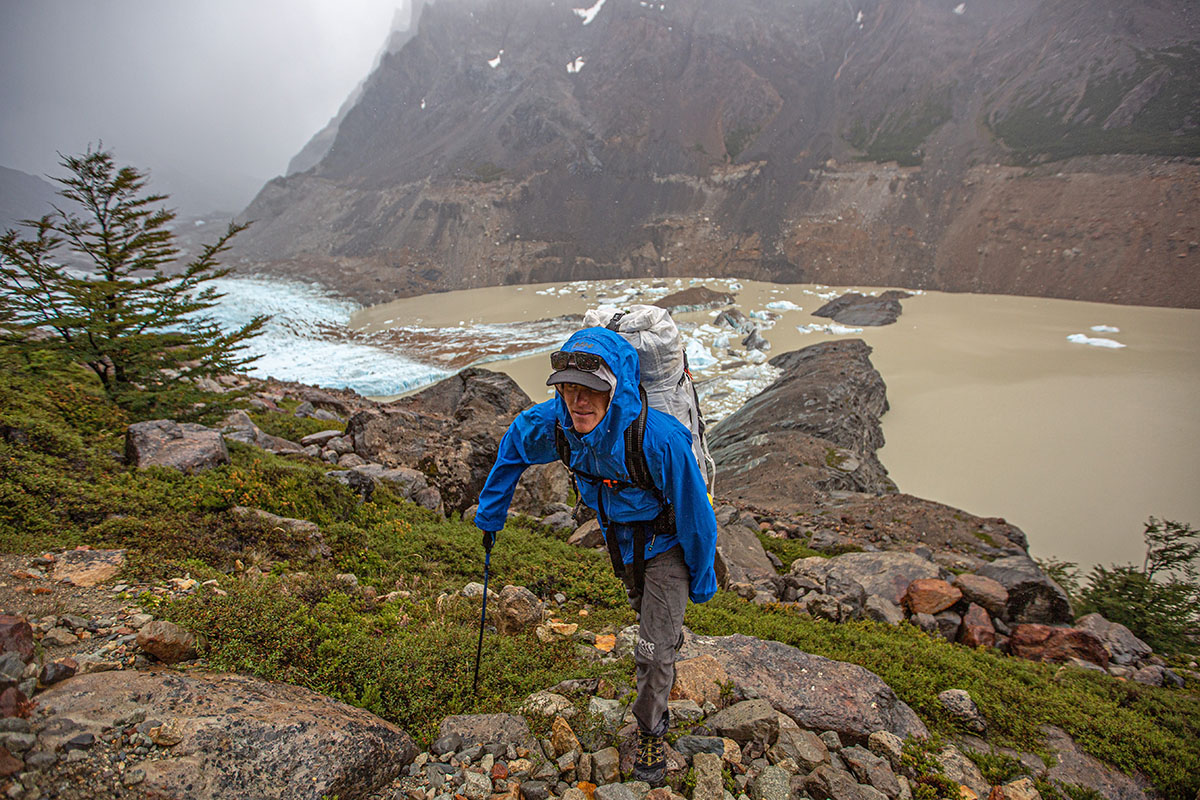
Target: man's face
x=587, y=406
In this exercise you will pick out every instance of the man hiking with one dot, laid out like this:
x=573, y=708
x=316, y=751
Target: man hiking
x=662, y=540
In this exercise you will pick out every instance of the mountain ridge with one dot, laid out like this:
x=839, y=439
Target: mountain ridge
x=904, y=145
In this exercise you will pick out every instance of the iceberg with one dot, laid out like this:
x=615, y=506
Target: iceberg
x=1080, y=338
x=698, y=355
x=783, y=305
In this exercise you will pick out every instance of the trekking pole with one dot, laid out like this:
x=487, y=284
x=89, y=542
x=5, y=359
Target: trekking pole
x=488, y=540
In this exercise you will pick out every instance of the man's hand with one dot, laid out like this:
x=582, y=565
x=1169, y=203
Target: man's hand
x=489, y=539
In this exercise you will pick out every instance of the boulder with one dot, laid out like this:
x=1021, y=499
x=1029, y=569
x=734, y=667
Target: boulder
x=410, y=484
x=930, y=596
x=818, y=693
x=87, y=567
x=16, y=636
x=587, y=535
x=961, y=706
x=1122, y=646
x=449, y=432
x=871, y=769
x=747, y=721
x=880, y=610
x=977, y=629
x=167, y=642
x=1032, y=595
x=740, y=556
x=827, y=782
x=957, y=767
x=488, y=729
x=541, y=489
x=708, y=777
x=780, y=449
x=238, y=427
x=320, y=438
x=887, y=574
x=184, y=446
x=517, y=610
x=803, y=747
x=699, y=679
x=237, y=735
x=988, y=593
x=1046, y=643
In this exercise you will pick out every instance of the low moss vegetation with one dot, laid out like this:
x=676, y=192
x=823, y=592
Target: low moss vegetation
x=287, y=615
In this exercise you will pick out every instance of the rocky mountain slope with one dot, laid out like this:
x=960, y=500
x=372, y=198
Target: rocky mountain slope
x=312, y=576
x=1030, y=147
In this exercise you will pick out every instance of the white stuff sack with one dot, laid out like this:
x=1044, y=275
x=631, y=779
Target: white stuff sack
x=656, y=338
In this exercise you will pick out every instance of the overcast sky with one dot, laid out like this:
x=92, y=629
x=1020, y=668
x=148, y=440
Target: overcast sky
x=221, y=93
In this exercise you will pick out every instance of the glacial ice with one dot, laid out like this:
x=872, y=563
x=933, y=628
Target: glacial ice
x=1081, y=338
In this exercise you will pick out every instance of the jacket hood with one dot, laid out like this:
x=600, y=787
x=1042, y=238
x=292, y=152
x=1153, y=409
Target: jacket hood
x=625, y=403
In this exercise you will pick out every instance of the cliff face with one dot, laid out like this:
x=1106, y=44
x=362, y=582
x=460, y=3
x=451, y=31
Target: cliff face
x=1029, y=147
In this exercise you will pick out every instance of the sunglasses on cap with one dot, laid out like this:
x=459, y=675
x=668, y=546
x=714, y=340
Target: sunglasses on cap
x=585, y=362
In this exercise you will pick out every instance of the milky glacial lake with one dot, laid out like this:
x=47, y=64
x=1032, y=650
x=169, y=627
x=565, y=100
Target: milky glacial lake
x=1075, y=421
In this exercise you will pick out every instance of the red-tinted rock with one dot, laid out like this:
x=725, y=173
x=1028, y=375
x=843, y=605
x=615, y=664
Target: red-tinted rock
x=9, y=765
x=977, y=629
x=1045, y=643
x=167, y=642
x=930, y=595
x=13, y=703
x=16, y=636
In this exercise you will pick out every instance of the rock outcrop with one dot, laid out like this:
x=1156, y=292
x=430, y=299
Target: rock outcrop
x=232, y=736
x=449, y=432
x=853, y=308
x=814, y=430
x=816, y=692
x=184, y=446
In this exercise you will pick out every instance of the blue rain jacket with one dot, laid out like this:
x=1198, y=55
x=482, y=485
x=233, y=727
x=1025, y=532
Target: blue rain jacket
x=668, y=448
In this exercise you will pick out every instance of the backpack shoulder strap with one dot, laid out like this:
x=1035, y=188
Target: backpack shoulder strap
x=635, y=454
x=561, y=445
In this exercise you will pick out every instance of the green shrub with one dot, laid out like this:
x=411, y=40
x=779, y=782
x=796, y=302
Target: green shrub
x=410, y=664
x=787, y=550
x=292, y=428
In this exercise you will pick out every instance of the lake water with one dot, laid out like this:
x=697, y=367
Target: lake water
x=993, y=408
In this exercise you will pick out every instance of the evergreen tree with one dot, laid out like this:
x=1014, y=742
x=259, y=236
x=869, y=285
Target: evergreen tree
x=1160, y=602
x=136, y=317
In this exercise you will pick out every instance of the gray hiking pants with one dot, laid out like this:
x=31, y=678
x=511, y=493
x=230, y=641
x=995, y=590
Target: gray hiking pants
x=660, y=610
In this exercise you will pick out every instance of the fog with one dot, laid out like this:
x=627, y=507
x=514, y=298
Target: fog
x=212, y=97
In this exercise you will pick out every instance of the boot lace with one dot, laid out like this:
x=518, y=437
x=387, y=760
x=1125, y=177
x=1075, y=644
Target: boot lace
x=650, y=748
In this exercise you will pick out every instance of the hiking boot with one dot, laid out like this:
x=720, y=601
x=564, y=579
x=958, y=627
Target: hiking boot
x=651, y=763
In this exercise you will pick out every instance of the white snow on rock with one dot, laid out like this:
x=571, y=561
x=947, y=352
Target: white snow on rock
x=960, y=9
x=589, y=14
x=576, y=65
x=495, y=62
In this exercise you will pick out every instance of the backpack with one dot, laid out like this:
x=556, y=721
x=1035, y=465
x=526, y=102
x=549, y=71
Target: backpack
x=666, y=381
x=666, y=385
